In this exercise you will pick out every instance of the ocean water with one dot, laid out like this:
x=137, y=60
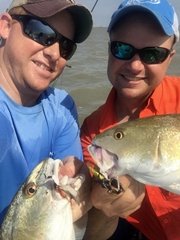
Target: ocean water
x=86, y=79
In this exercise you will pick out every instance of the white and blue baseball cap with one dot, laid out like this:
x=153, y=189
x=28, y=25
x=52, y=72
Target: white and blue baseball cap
x=163, y=11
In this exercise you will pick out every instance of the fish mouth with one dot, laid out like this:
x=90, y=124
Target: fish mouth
x=63, y=185
x=105, y=160
x=51, y=176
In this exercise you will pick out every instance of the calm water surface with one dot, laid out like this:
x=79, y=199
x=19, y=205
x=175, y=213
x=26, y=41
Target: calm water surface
x=86, y=79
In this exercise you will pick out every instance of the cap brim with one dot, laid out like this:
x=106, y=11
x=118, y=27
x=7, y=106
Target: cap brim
x=83, y=22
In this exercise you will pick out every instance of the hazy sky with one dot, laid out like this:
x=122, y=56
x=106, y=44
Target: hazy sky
x=101, y=13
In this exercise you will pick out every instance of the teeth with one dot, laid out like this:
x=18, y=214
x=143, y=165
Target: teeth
x=135, y=79
x=43, y=66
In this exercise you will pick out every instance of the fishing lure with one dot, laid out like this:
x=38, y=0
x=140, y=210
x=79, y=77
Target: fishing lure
x=112, y=185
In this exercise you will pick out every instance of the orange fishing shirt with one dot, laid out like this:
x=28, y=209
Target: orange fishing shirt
x=159, y=216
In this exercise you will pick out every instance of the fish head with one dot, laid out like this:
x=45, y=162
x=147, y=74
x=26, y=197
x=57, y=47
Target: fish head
x=147, y=149
x=38, y=207
x=42, y=181
x=134, y=146
x=113, y=150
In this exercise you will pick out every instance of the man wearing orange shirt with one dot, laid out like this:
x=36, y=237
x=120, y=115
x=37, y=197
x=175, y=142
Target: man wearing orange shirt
x=141, y=46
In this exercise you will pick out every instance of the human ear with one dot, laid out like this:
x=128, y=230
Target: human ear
x=173, y=52
x=171, y=55
x=5, y=25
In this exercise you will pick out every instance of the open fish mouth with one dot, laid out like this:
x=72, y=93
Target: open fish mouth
x=65, y=186
x=105, y=160
x=105, y=171
x=47, y=175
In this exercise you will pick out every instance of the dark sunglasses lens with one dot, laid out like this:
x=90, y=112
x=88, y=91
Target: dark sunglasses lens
x=67, y=48
x=40, y=32
x=121, y=50
x=45, y=35
x=154, y=55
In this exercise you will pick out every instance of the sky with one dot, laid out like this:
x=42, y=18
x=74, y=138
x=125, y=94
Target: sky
x=102, y=11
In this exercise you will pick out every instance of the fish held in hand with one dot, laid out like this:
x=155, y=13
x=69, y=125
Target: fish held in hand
x=38, y=210
x=147, y=149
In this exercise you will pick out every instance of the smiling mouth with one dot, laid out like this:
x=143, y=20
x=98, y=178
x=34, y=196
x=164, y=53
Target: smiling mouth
x=133, y=79
x=43, y=66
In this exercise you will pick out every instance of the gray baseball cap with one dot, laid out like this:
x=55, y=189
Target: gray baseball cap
x=47, y=8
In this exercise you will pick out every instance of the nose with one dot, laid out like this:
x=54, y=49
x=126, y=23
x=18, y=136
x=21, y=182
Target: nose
x=135, y=64
x=53, y=51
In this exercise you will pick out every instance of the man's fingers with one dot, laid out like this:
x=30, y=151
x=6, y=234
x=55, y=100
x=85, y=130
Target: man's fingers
x=71, y=166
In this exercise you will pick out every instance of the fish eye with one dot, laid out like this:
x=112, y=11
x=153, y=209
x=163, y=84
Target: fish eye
x=30, y=189
x=118, y=134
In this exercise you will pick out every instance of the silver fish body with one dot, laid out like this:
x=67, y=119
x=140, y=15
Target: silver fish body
x=38, y=210
x=147, y=149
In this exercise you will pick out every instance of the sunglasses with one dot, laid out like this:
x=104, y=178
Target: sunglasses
x=44, y=34
x=148, y=55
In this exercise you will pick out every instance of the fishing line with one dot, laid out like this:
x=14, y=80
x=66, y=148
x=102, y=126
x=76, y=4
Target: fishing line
x=94, y=6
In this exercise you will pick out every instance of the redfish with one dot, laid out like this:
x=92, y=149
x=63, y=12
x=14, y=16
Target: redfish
x=147, y=149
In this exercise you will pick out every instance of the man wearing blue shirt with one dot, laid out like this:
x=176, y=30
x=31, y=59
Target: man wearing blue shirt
x=36, y=120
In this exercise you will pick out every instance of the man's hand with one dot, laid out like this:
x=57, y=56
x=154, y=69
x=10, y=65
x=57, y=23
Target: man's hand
x=72, y=167
x=123, y=204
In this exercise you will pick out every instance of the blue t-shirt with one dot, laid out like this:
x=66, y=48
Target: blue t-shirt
x=30, y=134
